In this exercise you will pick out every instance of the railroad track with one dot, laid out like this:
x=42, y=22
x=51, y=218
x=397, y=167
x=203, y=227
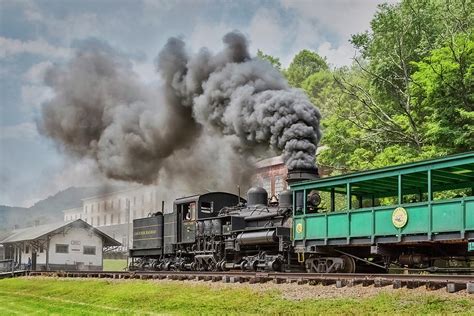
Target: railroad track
x=452, y=283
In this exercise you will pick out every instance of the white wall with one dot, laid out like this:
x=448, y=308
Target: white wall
x=76, y=238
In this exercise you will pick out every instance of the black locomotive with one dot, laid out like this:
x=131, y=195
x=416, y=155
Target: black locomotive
x=217, y=231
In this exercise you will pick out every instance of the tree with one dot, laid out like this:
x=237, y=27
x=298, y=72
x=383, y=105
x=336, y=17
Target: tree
x=395, y=109
x=444, y=85
x=271, y=59
x=304, y=64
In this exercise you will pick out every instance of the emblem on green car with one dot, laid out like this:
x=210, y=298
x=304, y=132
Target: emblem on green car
x=399, y=217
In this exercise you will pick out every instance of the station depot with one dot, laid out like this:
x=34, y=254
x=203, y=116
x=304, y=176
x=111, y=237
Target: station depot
x=72, y=245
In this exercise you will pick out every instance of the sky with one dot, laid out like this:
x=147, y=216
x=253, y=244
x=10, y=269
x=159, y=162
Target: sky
x=35, y=35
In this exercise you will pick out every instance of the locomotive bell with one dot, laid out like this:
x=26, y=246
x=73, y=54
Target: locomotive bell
x=257, y=196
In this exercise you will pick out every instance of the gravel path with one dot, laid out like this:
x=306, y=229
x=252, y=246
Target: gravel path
x=294, y=291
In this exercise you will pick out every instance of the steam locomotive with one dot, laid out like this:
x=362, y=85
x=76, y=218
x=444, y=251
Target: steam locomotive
x=217, y=231
x=417, y=216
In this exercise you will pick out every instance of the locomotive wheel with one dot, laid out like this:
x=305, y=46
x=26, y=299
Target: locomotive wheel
x=243, y=265
x=349, y=264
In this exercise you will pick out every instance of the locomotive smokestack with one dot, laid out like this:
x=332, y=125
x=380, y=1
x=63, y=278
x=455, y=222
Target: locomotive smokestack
x=302, y=174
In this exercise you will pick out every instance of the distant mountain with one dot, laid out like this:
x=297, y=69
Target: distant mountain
x=50, y=208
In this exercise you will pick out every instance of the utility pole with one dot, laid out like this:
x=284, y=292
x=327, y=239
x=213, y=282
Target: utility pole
x=127, y=205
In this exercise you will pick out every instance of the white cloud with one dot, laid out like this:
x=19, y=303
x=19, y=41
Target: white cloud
x=345, y=17
x=34, y=92
x=266, y=32
x=208, y=35
x=341, y=55
x=33, y=96
x=26, y=130
x=37, y=72
x=10, y=47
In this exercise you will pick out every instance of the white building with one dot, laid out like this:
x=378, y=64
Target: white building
x=72, y=245
x=73, y=213
x=114, y=212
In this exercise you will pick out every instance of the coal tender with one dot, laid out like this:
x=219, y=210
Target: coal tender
x=217, y=231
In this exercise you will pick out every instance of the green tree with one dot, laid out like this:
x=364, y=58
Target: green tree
x=271, y=59
x=303, y=65
x=444, y=86
x=398, y=105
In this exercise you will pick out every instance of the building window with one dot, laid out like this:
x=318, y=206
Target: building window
x=119, y=202
x=134, y=200
x=267, y=185
x=111, y=219
x=118, y=219
x=41, y=248
x=60, y=248
x=92, y=221
x=86, y=210
x=98, y=221
x=105, y=220
x=89, y=250
x=279, y=185
x=27, y=249
x=112, y=204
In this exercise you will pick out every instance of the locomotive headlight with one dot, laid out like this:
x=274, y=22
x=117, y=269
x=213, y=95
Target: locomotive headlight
x=314, y=199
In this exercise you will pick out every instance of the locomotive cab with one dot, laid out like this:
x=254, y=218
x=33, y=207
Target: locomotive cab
x=190, y=210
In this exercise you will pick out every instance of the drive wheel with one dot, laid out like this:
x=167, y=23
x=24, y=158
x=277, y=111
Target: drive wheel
x=349, y=264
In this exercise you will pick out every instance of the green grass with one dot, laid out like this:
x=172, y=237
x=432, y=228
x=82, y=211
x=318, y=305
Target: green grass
x=115, y=264
x=41, y=296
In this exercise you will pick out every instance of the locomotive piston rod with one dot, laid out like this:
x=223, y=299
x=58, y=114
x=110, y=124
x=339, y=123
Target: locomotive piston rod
x=257, y=238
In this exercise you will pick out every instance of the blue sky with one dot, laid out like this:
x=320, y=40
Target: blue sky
x=34, y=35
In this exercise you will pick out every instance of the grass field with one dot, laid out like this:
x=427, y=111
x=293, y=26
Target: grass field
x=26, y=296
x=115, y=264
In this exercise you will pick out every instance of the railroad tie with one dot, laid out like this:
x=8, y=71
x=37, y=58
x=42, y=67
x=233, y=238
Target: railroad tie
x=470, y=287
x=455, y=287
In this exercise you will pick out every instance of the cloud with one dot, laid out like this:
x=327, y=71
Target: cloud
x=33, y=96
x=37, y=72
x=26, y=130
x=337, y=56
x=11, y=47
x=266, y=32
x=208, y=35
x=344, y=17
x=34, y=92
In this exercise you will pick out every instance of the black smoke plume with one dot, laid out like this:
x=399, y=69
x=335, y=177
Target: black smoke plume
x=225, y=106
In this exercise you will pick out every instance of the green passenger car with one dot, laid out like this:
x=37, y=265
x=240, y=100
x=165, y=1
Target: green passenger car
x=408, y=215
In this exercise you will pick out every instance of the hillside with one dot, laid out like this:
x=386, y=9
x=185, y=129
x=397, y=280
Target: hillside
x=48, y=209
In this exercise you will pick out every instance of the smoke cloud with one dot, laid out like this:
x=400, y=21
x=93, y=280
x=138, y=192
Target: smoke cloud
x=211, y=117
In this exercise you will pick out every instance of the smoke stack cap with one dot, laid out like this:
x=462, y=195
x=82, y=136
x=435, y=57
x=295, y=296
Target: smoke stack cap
x=257, y=196
x=301, y=175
